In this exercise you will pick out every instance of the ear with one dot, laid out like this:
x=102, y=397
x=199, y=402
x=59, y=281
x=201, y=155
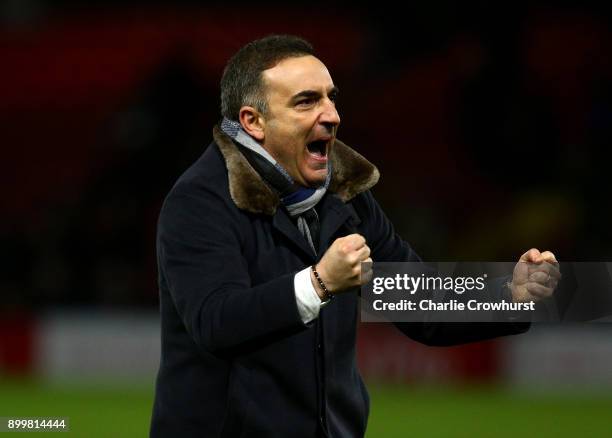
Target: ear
x=252, y=122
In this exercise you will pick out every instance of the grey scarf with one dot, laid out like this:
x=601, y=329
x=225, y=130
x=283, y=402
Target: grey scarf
x=299, y=201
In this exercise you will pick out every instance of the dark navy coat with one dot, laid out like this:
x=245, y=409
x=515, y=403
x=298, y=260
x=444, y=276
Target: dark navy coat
x=236, y=360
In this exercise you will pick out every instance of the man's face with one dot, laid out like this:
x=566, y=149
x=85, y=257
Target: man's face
x=300, y=125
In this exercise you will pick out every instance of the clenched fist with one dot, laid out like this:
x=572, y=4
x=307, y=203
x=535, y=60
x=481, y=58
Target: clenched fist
x=535, y=276
x=340, y=268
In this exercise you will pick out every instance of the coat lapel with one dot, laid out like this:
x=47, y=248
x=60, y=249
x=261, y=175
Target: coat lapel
x=282, y=222
x=336, y=214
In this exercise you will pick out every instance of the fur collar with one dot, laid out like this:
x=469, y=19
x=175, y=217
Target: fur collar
x=351, y=175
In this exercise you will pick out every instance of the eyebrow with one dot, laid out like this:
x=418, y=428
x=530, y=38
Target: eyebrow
x=312, y=93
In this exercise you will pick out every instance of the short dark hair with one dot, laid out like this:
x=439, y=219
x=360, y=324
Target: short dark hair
x=242, y=81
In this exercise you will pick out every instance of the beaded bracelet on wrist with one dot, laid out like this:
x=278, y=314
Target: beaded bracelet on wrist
x=326, y=294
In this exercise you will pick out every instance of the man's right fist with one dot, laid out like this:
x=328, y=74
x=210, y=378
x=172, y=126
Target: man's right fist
x=340, y=267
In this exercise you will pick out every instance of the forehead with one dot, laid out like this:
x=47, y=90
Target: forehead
x=292, y=75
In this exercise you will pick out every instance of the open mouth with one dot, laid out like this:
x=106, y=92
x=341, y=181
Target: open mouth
x=318, y=148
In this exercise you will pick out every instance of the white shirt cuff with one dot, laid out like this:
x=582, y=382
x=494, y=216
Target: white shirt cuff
x=308, y=302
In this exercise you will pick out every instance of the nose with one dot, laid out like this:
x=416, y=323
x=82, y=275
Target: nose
x=329, y=116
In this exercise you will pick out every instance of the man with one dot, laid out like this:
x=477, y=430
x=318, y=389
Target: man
x=254, y=241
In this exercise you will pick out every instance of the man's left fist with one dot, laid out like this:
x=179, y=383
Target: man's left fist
x=535, y=276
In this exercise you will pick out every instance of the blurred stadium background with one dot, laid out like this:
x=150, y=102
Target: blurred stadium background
x=491, y=125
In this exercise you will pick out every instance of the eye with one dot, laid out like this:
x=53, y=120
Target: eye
x=306, y=102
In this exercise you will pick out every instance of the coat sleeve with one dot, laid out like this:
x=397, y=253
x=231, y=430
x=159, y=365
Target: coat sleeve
x=388, y=246
x=200, y=259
